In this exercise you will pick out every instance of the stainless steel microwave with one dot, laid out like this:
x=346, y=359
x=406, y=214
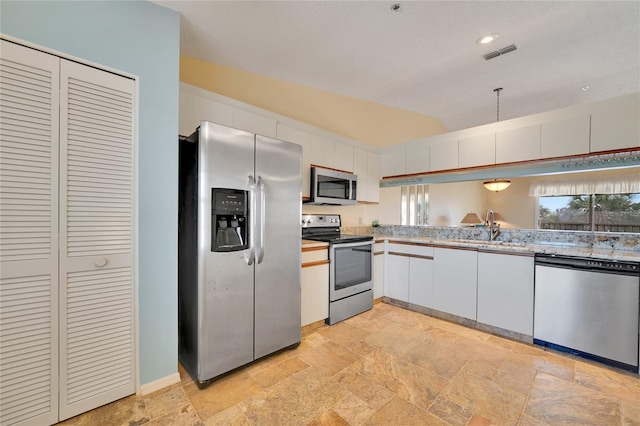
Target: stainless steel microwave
x=332, y=187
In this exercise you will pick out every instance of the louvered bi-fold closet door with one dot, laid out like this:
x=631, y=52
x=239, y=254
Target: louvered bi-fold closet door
x=97, y=363
x=28, y=236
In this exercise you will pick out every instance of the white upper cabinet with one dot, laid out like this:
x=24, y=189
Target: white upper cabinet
x=322, y=151
x=565, y=137
x=366, y=165
x=373, y=177
x=615, y=124
x=417, y=158
x=360, y=169
x=303, y=139
x=443, y=155
x=392, y=163
x=343, y=157
x=477, y=151
x=194, y=109
x=254, y=123
x=520, y=144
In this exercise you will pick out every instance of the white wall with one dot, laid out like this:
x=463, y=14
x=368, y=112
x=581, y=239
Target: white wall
x=450, y=202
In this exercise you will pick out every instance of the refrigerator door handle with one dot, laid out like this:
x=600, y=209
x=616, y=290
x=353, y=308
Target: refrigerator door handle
x=249, y=255
x=263, y=204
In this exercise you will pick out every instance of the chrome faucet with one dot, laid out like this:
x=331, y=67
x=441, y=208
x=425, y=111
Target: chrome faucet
x=494, y=228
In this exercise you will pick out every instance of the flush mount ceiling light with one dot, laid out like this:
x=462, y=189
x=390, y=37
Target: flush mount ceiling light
x=585, y=88
x=486, y=39
x=497, y=185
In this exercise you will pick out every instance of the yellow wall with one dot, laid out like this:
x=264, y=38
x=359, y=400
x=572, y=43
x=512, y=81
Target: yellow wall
x=364, y=121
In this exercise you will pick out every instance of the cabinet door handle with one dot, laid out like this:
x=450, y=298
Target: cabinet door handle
x=101, y=262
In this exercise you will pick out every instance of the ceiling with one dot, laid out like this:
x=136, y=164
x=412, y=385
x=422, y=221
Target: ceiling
x=424, y=57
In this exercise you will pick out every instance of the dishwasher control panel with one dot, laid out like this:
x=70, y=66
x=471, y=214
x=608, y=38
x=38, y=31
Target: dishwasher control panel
x=588, y=263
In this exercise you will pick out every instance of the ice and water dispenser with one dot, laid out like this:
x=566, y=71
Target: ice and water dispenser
x=229, y=217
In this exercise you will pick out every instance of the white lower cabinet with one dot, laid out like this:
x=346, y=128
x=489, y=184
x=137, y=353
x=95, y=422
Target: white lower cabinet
x=315, y=285
x=505, y=291
x=409, y=273
x=378, y=270
x=421, y=281
x=396, y=276
x=455, y=281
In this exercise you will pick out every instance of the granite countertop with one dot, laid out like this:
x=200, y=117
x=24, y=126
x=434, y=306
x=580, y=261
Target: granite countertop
x=524, y=248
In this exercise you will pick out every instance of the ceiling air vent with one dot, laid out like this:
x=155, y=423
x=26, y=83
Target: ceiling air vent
x=499, y=52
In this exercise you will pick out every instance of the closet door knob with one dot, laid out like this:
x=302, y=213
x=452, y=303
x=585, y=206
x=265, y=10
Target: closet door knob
x=101, y=262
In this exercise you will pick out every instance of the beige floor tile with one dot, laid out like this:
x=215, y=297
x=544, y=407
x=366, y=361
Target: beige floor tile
x=396, y=338
x=478, y=420
x=546, y=362
x=294, y=401
x=517, y=376
x=450, y=412
x=344, y=334
x=160, y=403
x=494, y=401
x=329, y=358
x=278, y=372
x=371, y=324
x=354, y=410
x=527, y=420
x=362, y=348
x=557, y=401
x=400, y=412
x=366, y=389
x=438, y=356
x=481, y=369
x=416, y=384
x=224, y=393
x=329, y=418
x=502, y=342
x=619, y=384
x=630, y=413
x=481, y=351
x=232, y=416
x=186, y=416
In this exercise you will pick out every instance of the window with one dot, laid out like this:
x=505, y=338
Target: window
x=599, y=212
x=414, y=205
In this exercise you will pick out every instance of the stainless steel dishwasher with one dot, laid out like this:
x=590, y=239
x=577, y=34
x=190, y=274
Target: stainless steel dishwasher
x=588, y=307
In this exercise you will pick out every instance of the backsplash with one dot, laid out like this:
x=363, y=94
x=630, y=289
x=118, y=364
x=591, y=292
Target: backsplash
x=581, y=239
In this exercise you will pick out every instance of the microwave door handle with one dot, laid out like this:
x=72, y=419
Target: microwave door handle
x=263, y=203
x=249, y=255
x=351, y=189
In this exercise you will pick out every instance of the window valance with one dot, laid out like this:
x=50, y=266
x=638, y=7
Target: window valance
x=622, y=184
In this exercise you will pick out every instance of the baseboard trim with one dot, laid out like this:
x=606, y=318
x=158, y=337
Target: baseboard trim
x=148, y=388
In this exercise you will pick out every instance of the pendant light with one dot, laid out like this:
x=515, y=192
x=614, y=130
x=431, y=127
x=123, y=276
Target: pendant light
x=497, y=184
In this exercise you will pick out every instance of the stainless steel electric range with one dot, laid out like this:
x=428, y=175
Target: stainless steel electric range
x=350, y=265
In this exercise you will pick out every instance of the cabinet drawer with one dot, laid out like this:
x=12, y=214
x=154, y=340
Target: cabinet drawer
x=315, y=255
x=410, y=249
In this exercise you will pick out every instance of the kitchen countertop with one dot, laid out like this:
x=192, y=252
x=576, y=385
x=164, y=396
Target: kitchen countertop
x=524, y=248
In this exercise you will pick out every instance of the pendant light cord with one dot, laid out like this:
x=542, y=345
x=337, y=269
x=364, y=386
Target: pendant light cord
x=498, y=103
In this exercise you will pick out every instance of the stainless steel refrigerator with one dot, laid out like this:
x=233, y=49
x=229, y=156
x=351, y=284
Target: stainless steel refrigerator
x=238, y=248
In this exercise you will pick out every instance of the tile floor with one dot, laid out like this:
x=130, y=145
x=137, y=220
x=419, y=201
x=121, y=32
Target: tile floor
x=391, y=366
